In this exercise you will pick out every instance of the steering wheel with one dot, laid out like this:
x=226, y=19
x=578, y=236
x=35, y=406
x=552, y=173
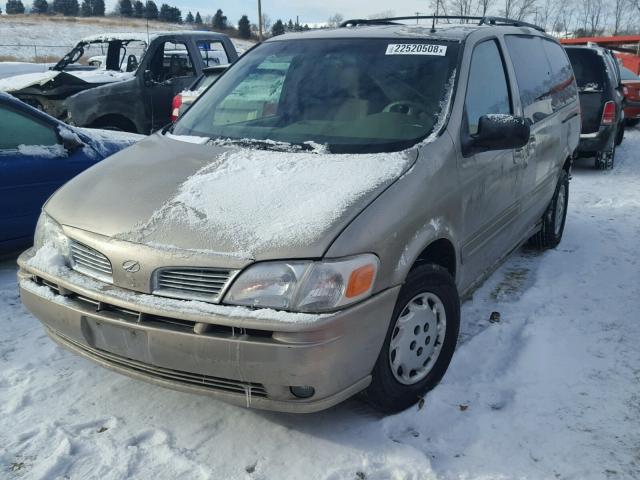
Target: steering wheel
x=405, y=106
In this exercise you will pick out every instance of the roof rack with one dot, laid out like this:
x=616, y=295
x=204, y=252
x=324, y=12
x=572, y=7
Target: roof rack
x=481, y=21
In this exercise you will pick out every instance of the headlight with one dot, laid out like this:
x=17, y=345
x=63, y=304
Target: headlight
x=305, y=286
x=49, y=232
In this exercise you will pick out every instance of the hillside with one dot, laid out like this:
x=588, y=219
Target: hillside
x=54, y=36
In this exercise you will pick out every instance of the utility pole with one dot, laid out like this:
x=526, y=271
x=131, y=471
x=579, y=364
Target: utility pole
x=260, y=20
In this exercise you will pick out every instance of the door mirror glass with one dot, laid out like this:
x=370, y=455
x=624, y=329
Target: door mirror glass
x=500, y=132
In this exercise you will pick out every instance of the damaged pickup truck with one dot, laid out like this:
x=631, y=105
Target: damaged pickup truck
x=132, y=85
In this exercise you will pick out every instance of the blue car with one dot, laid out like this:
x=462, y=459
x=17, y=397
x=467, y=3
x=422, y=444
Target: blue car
x=37, y=155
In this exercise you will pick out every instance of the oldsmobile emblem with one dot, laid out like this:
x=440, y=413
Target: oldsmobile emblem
x=131, y=266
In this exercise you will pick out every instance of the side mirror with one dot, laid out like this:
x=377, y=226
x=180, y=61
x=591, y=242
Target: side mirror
x=147, y=77
x=71, y=142
x=499, y=132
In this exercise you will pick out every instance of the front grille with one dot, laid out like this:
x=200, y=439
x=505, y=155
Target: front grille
x=205, y=284
x=178, y=376
x=90, y=262
x=157, y=321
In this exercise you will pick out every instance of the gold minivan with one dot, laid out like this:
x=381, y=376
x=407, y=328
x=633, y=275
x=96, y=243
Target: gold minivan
x=305, y=231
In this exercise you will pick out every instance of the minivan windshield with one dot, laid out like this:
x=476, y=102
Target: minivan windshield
x=352, y=95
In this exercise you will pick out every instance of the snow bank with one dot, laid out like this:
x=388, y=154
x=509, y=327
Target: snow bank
x=255, y=199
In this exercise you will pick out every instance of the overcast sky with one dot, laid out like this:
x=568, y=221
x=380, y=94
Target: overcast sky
x=310, y=11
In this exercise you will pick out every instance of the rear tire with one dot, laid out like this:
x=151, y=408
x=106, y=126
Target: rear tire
x=426, y=321
x=620, y=133
x=554, y=218
x=605, y=160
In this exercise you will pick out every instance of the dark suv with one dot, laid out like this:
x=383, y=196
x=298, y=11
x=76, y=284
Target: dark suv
x=601, y=103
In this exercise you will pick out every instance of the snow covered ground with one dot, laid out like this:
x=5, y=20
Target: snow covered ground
x=551, y=391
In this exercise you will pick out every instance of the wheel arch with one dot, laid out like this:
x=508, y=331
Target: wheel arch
x=114, y=120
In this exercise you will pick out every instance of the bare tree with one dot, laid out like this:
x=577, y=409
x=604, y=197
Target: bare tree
x=524, y=8
x=595, y=16
x=619, y=8
x=546, y=13
x=335, y=20
x=266, y=22
x=462, y=7
x=384, y=14
x=483, y=6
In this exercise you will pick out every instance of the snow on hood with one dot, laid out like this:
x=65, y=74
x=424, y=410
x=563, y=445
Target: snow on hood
x=257, y=199
x=19, y=82
x=237, y=202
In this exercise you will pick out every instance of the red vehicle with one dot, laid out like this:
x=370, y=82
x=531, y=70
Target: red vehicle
x=631, y=87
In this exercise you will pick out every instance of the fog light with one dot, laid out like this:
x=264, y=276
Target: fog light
x=303, y=392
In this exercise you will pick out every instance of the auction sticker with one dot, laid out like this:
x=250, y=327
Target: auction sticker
x=416, y=49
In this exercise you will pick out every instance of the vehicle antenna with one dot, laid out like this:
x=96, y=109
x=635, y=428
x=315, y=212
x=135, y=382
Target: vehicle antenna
x=433, y=24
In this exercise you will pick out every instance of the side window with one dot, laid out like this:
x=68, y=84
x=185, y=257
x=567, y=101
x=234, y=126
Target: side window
x=563, y=87
x=213, y=53
x=171, y=60
x=18, y=129
x=533, y=74
x=487, y=90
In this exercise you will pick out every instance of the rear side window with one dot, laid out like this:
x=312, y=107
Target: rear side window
x=212, y=53
x=487, y=70
x=537, y=81
x=589, y=69
x=563, y=87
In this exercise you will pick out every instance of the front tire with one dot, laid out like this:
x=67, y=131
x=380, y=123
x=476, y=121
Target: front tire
x=555, y=216
x=420, y=341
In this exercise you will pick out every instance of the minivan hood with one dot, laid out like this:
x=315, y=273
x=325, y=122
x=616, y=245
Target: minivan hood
x=238, y=202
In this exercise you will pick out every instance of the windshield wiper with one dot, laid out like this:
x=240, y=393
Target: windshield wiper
x=262, y=144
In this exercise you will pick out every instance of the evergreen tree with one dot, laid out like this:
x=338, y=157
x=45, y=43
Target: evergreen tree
x=58, y=6
x=244, y=27
x=175, y=15
x=40, y=6
x=14, y=7
x=219, y=21
x=125, y=9
x=278, y=28
x=198, y=20
x=151, y=10
x=189, y=18
x=164, y=14
x=97, y=8
x=71, y=8
x=290, y=27
x=138, y=9
x=85, y=9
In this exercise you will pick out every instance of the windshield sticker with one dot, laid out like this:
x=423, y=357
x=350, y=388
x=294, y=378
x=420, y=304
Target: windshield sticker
x=415, y=49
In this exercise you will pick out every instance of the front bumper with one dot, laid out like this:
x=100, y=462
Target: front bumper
x=223, y=356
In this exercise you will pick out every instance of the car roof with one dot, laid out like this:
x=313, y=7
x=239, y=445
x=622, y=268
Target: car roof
x=442, y=31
